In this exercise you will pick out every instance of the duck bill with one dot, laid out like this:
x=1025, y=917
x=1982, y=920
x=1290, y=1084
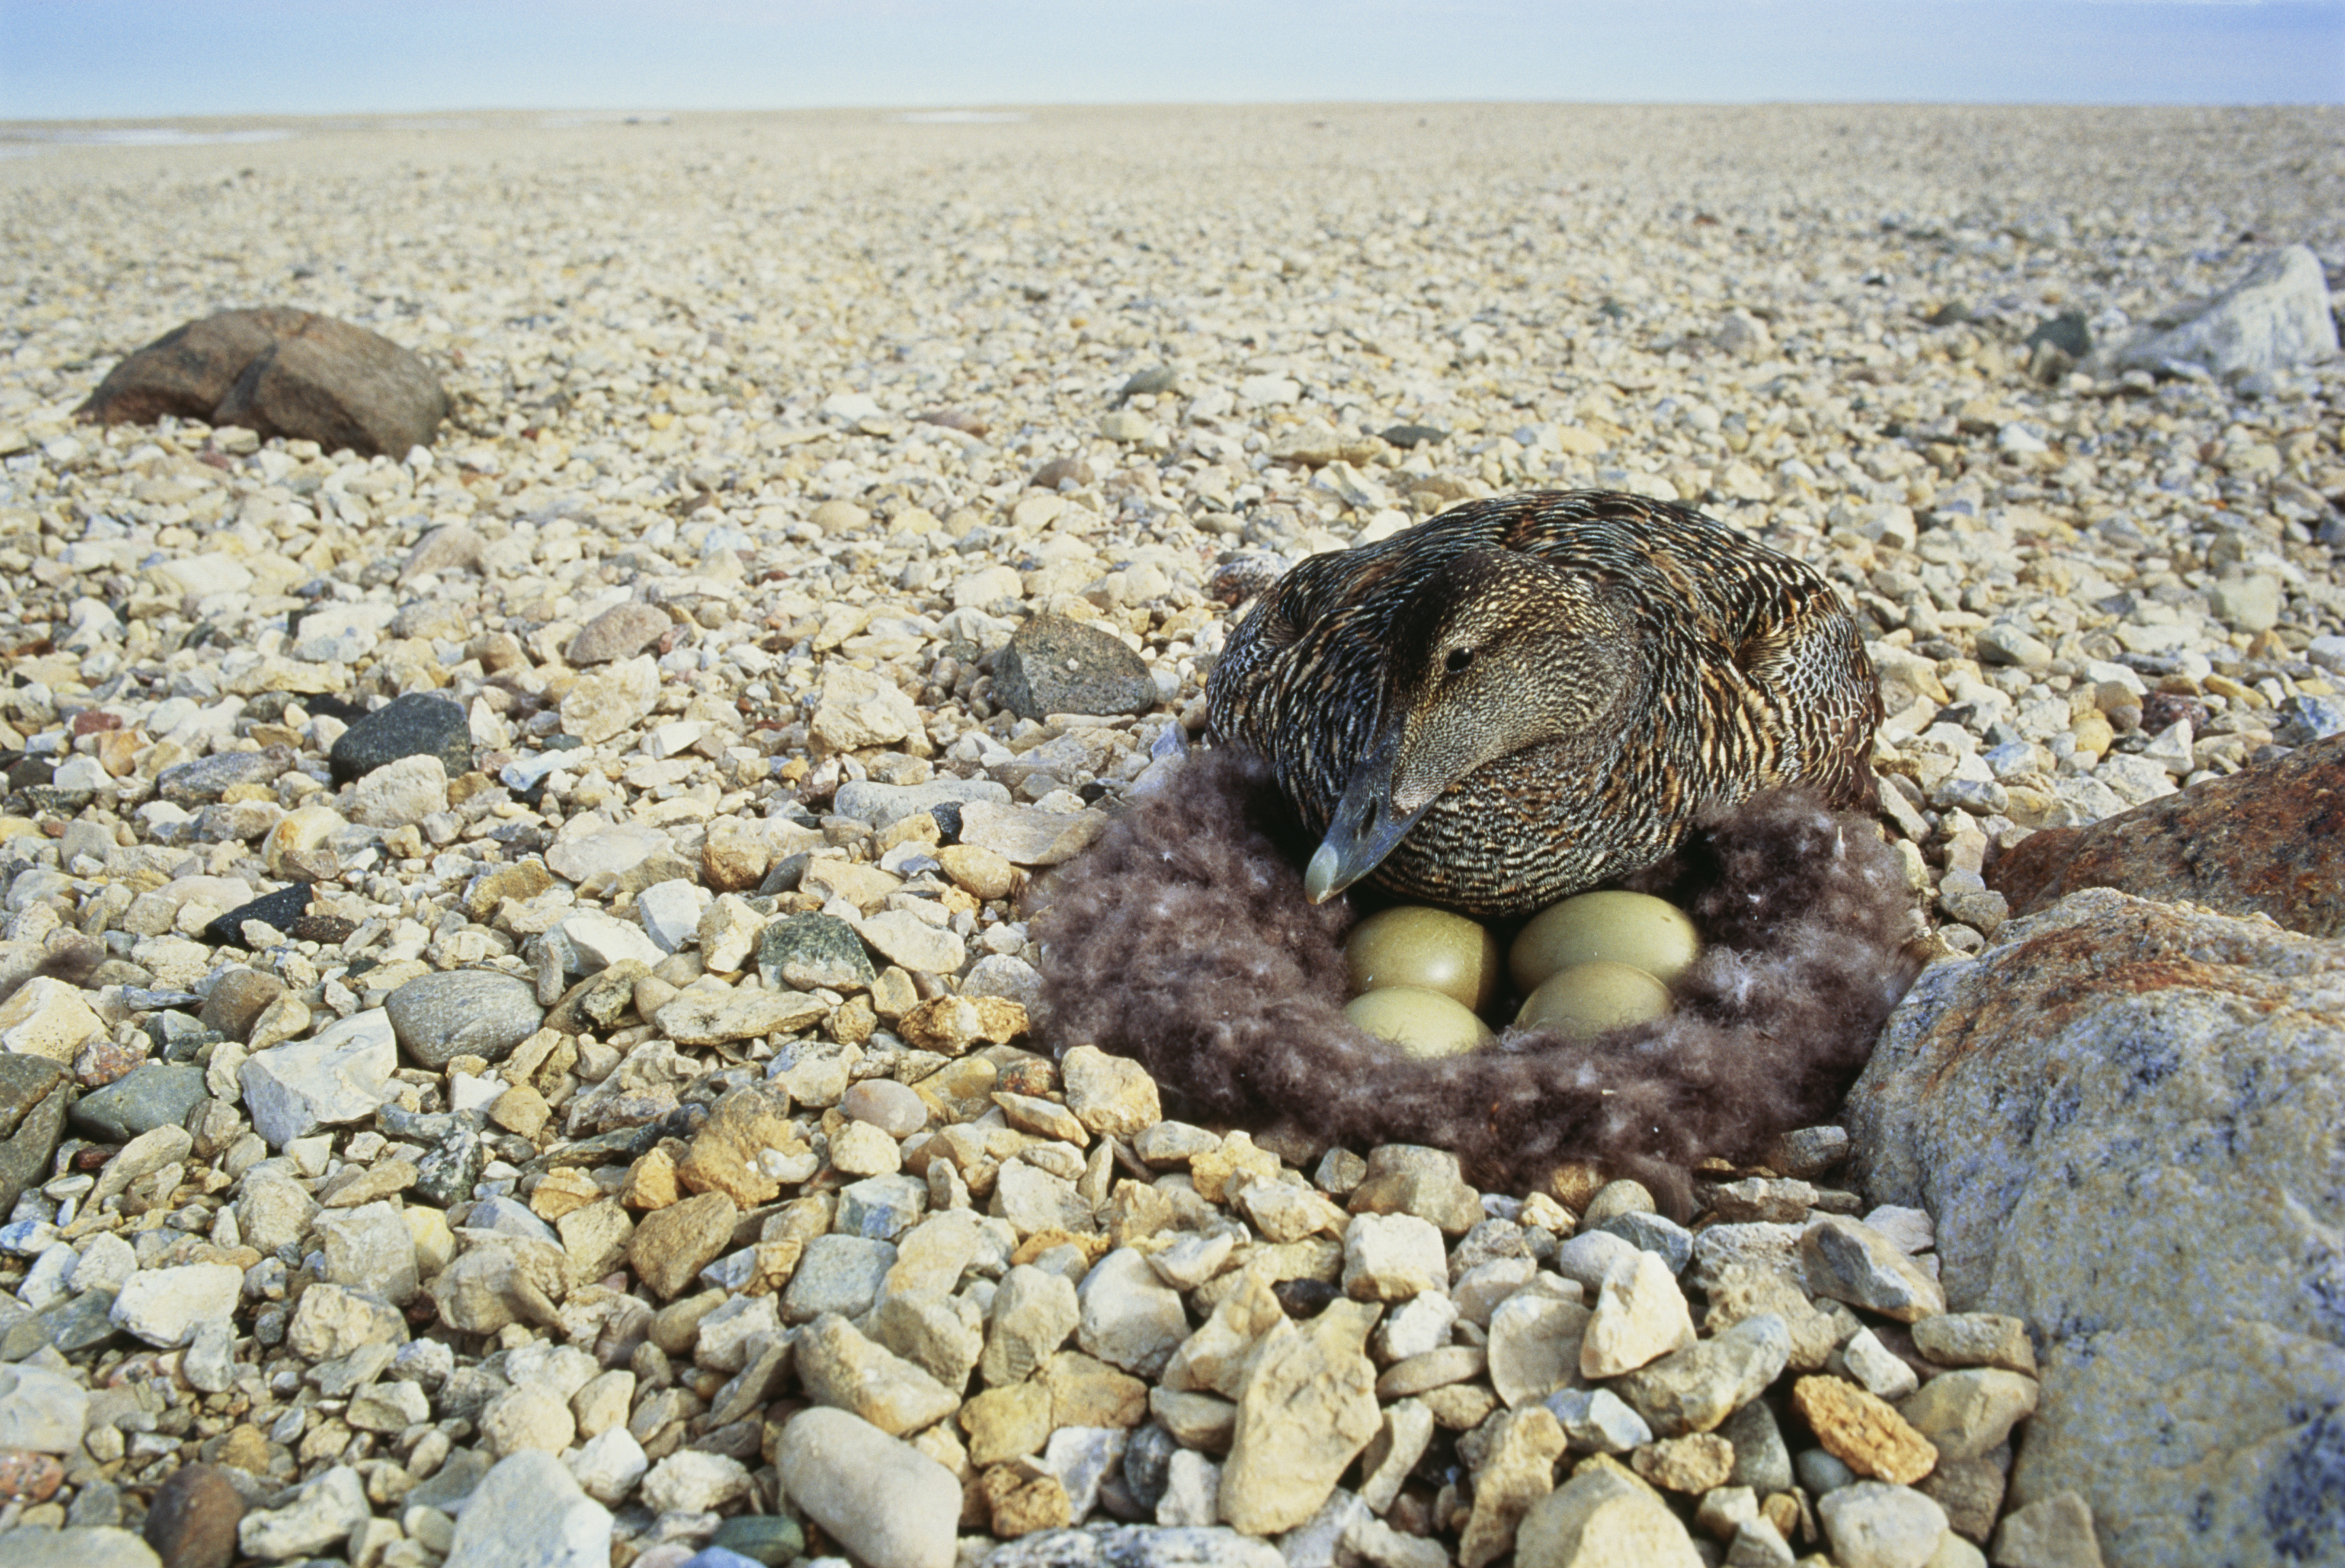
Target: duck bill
x=1367, y=826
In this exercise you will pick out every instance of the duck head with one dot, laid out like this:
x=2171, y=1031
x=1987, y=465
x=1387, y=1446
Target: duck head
x=1493, y=653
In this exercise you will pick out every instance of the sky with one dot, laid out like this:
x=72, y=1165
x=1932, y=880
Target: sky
x=84, y=60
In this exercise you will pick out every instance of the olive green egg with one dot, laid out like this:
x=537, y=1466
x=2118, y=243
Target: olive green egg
x=1635, y=928
x=1423, y=1023
x=1414, y=946
x=1589, y=999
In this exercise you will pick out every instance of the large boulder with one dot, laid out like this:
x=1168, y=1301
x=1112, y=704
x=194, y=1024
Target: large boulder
x=2128, y=1119
x=2276, y=315
x=2269, y=840
x=278, y=372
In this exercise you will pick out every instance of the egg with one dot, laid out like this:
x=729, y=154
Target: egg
x=1423, y=1023
x=1589, y=999
x=1635, y=928
x=1414, y=946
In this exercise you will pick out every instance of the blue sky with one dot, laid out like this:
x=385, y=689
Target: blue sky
x=179, y=58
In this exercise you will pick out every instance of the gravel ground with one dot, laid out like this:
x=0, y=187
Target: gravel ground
x=781, y=385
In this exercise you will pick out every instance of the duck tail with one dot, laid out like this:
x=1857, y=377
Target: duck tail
x=1182, y=939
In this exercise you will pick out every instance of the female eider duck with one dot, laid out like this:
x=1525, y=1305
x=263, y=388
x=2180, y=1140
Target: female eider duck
x=1535, y=694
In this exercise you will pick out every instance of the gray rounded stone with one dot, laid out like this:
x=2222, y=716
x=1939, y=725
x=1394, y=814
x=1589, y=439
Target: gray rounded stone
x=1054, y=665
x=151, y=1095
x=462, y=1012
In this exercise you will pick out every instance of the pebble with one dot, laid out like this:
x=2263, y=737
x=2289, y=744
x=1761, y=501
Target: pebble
x=1853, y=1262
x=1871, y=1524
x=151, y=1095
x=321, y=1514
x=529, y=1508
x=192, y=1521
x=165, y=1306
x=341, y=1074
x=461, y=1012
x=1865, y=1433
x=619, y=632
x=1603, y=1515
x=1641, y=1315
x=1130, y=1319
x=2055, y=1531
x=1055, y=665
x=41, y=1410
x=1965, y=1414
x=890, y=1504
x=419, y=724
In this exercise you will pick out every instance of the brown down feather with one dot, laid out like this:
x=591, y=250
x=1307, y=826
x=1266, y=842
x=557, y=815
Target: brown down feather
x=1182, y=939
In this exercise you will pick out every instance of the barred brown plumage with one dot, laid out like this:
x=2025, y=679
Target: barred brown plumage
x=1530, y=696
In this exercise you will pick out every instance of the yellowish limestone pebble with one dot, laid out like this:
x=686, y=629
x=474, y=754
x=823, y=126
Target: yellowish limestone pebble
x=1633, y=928
x=1414, y=946
x=1589, y=999
x=1423, y=1023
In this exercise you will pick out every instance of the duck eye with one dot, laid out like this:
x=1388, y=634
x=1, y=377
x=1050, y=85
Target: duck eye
x=1458, y=659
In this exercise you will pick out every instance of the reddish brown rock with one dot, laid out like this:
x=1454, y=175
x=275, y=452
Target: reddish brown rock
x=192, y=1521
x=278, y=372
x=2269, y=840
x=27, y=1476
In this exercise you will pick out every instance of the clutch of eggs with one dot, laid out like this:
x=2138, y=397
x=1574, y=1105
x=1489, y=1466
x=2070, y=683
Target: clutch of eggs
x=1421, y=978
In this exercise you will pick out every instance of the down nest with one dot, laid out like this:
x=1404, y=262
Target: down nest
x=1182, y=939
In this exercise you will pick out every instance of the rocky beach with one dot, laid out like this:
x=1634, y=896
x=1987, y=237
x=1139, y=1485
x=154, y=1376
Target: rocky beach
x=519, y=1037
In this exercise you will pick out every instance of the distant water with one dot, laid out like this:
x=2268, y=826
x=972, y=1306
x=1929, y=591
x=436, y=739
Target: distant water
x=24, y=142
x=962, y=117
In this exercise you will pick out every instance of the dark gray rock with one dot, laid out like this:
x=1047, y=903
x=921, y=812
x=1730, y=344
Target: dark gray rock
x=72, y=1324
x=202, y=781
x=1145, y=383
x=2068, y=333
x=35, y=1093
x=419, y=724
x=1054, y=665
x=462, y=1012
x=800, y=952
x=1147, y=1462
x=448, y=1169
x=280, y=372
x=282, y=909
x=151, y=1095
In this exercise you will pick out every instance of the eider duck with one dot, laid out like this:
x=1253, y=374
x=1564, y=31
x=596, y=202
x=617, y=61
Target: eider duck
x=1535, y=694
